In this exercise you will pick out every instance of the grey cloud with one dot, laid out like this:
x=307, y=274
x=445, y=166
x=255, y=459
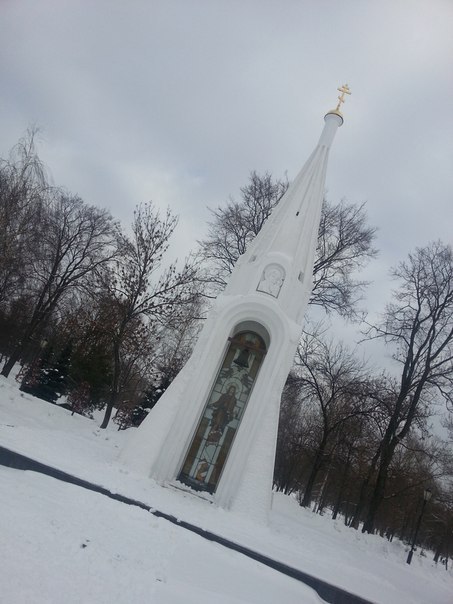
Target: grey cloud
x=177, y=101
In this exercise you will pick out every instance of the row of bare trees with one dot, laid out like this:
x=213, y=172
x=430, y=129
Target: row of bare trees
x=69, y=274
x=334, y=420
x=362, y=443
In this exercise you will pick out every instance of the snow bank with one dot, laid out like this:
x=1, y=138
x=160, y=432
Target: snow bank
x=62, y=542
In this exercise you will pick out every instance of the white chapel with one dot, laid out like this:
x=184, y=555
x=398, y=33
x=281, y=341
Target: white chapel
x=214, y=430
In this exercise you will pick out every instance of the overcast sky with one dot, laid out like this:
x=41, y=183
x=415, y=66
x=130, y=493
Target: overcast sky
x=177, y=101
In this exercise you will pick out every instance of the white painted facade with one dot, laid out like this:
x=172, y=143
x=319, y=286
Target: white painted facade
x=268, y=292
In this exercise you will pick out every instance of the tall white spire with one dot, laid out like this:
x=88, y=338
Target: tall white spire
x=214, y=430
x=288, y=238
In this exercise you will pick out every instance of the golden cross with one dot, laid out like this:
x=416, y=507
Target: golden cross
x=344, y=90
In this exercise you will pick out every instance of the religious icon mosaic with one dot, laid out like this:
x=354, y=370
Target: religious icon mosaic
x=223, y=413
x=272, y=280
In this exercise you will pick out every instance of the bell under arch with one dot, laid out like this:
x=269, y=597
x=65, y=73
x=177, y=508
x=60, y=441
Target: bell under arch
x=225, y=407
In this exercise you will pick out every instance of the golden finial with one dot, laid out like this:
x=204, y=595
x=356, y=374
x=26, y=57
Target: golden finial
x=344, y=90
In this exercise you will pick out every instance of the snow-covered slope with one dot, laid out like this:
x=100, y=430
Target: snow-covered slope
x=61, y=543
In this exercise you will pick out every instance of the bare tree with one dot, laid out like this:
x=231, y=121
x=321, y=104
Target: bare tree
x=23, y=190
x=442, y=523
x=344, y=242
x=337, y=383
x=294, y=430
x=345, y=245
x=85, y=321
x=139, y=291
x=419, y=323
x=75, y=239
x=235, y=225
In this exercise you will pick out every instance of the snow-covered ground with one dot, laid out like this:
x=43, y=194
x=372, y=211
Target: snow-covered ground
x=61, y=543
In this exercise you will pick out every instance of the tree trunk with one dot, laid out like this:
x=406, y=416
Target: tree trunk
x=337, y=505
x=34, y=328
x=379, y=487
x=322, y=501
x=306, y=500
x=17, y=352
x=284, y=475
x=115, y=384
x=6, y=370
x=389, y=533
x=364, y=491
x=107, y=415
x=440, y=547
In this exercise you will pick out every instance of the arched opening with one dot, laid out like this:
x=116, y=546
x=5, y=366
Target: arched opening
x=224, y=409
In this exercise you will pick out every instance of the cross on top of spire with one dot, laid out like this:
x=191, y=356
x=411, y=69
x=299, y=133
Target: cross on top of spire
x=344, y=90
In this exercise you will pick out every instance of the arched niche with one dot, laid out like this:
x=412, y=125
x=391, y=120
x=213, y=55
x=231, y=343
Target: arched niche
x=225, y=407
